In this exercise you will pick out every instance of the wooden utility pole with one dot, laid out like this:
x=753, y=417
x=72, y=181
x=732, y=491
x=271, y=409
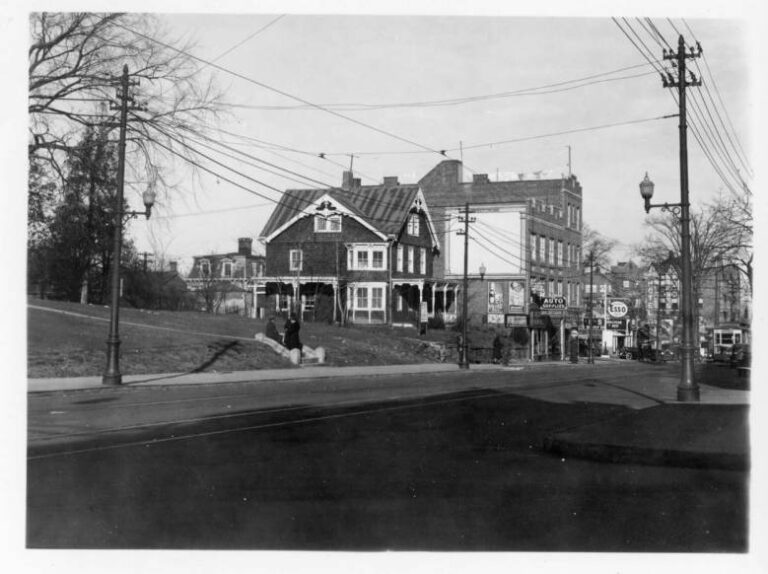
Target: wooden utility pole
x=687, y=390
x=464, y=351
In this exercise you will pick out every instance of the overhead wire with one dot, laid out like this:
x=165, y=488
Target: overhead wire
x=283, y=93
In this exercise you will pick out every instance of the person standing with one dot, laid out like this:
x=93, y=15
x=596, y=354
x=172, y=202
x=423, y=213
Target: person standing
x=292, y=328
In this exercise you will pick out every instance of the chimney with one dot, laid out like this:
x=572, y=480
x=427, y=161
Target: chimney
x=346, y=180
x=355, y=182
x=391, y=180
x=480, y=178
x=174, y=266
x=244, y=246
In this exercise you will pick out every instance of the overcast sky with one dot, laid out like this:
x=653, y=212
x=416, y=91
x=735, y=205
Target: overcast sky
x=352, y=65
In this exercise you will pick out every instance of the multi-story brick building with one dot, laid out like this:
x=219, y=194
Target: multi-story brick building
x=524, y=250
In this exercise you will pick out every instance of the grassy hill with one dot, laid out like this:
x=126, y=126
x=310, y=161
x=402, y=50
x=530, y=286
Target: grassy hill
x=69, y=340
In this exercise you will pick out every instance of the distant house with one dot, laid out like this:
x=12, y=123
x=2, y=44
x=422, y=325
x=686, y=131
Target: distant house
x=223, y=282
x=357, y=253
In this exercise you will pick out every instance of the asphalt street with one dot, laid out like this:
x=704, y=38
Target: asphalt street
x=448, y=461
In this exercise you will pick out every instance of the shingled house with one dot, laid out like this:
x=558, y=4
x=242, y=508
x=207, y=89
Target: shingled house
x=363, y=254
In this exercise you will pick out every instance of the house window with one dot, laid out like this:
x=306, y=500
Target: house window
x=295, y=259
x=377, y=298
x=328, y=223
x=362, y=257
x=283, y=302
x=309, y=302
x=399, y=257
x=423, y=261
x=410, y=258
x=413, y=224
x=361, y=301
x=226, y=269
x=205, y=268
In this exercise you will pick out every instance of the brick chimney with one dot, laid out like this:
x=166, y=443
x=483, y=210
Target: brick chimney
x=480, y=178
x=245, y=246
x=391, y=181
x=174, y=266
x=347, y=180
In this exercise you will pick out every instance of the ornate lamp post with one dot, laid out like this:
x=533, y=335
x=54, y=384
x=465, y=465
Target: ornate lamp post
x=112, y=375
x=687, y=390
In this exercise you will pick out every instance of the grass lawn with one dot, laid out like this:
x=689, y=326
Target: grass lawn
x=69, y=340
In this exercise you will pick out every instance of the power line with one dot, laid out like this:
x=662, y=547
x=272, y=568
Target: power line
x=535, y=91
x=282, y=92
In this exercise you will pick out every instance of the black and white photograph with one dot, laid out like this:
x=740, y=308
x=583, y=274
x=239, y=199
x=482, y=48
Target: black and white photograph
x=383, y=287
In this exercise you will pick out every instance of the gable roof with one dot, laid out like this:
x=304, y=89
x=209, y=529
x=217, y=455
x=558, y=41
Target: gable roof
x=384, y=208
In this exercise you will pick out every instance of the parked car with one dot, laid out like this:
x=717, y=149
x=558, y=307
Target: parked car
x=629, y=353
x=741, y=355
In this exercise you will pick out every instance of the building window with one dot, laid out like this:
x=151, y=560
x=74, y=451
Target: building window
x=410, y=258
x=226, y=269
x=361, y=257
x=205, y=268
x=559, y=260
x=413, y=224
x=567, y=255
x=551, y=252
x=328, y=223
x=533, y=246
x=551, y=287
x=295, y=259
x=540, y=248
x=361, y=301
x=400, y=258
x=423, y=261
x=377, y=297
x=559, y=288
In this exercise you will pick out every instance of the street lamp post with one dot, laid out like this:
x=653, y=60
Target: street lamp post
x=112, y=374
x=687, y=390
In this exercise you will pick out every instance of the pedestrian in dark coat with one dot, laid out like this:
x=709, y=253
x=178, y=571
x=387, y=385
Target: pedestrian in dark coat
x=498, y=347
x=292, y=327
x=271, y=330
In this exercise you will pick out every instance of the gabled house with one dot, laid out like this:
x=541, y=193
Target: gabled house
x=358, y=253
x=223, y=282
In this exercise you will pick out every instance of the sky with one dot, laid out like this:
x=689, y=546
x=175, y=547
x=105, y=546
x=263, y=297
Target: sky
x=349, y=65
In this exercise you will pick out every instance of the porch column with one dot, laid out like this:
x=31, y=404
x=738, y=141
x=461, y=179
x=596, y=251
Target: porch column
x=432, y=291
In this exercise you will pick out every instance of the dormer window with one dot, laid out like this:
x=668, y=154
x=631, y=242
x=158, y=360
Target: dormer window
x=328, y=223
x=205, y=268
x=413, y=224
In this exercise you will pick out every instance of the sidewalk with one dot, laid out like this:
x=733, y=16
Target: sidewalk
x=656, y=430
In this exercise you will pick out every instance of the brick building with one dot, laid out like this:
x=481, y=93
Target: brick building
x=524, y=250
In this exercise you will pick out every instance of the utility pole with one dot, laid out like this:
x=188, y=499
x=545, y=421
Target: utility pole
x=591, y=298
x=687, y=390
x=112, y=375
x=464, y=351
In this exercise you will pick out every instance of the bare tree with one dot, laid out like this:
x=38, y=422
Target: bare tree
x=75, y=60
x=596, y=246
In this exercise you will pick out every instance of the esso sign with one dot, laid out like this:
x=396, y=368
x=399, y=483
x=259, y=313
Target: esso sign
x=618, y=309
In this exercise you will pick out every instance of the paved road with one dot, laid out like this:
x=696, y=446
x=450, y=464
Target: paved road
x=451, y=461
